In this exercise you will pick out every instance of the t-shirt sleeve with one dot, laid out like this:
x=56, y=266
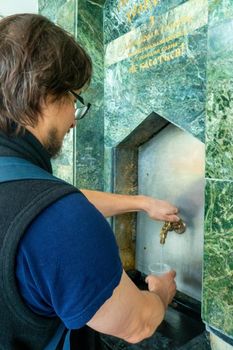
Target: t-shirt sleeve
x=68, y=261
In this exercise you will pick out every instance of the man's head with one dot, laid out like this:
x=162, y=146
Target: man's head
x=39, y=64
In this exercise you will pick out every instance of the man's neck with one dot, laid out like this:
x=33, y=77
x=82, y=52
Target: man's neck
x=37, y=133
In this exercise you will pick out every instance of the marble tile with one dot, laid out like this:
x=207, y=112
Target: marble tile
x=90, y=130
x=62, y=13
x=85, y=166
x=219, y=116
x=123, y=15
x=97, y=2
x=63, y=166
x=219, y=11
x=49, y=8
x=217, y=306
x=108, y=169
x=170, y=81
x=66, y=16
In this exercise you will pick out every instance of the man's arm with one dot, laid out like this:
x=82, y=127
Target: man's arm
x=134, y=315
x=110, y=204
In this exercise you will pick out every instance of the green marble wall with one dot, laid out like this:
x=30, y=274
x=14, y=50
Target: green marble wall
x=217, y=308
x=159, y=65
x=90, y=130
x=81, y=160
x=63, y=12
x=122, y=15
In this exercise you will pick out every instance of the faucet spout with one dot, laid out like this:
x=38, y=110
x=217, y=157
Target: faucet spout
x=164, y=231
x=179, y=227
x=163, y=236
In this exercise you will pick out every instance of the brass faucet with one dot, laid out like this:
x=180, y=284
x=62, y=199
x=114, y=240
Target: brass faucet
x=178, y=227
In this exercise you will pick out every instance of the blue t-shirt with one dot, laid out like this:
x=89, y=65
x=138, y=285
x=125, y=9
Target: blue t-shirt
x=68, y=261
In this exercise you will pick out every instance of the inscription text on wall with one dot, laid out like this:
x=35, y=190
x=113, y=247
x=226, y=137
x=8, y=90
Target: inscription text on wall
x=137, y=9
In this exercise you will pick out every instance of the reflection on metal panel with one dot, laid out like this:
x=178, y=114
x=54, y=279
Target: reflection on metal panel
x=171, y=167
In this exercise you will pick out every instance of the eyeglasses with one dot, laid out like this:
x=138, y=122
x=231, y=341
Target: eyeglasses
x=80, y=111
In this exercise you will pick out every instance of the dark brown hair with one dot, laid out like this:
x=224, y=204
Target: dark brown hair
x=37, y=59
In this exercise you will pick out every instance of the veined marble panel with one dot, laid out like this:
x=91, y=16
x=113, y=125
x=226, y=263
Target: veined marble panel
x=49, y=8
x=217, y=306
x=97, y=2
x=123, y=15
x=220, y=11
x=167, y=76
x=63, y=165
x=90, y=130
x=219, y=118
x=172, y=25
x=66, y=16
x=62, y=13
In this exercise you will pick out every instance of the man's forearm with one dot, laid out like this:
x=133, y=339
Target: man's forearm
x=110, y=204
x=153, y=312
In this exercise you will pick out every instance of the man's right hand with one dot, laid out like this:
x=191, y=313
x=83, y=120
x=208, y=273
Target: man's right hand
x=132, y=314
x=164, y=286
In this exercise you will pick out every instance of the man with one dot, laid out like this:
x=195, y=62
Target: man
x=60, y=267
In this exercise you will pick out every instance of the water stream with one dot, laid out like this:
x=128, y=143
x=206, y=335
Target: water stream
x=162, y=254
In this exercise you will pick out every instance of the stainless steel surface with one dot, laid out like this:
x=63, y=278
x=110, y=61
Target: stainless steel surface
x=171, y=167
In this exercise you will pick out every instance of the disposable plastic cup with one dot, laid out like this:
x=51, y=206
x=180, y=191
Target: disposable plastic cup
x=159, y=269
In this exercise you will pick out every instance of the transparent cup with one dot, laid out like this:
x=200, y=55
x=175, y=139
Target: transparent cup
x=159, y=269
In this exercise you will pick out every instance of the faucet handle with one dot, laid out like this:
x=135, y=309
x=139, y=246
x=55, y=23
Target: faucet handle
x=179, y=226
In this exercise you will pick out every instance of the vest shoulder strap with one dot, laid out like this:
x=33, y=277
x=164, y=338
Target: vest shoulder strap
x=15, y=168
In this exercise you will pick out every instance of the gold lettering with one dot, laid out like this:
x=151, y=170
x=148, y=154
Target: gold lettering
x=122, y=3
x=140, y=9
x=134, y=12
x=150, y=62
x=128, y=16
x=144, y=6
x=155, y=61
x=144, y=65
x=149, y=5
x=133, y=69
x=149, y=39
x=161, y=58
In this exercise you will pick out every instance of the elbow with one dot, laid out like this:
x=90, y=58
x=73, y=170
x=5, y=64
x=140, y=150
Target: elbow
x=139, y=337
x=146, y=333
x=145, y=330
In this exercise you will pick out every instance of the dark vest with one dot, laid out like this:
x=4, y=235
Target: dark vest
x=20, y=202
